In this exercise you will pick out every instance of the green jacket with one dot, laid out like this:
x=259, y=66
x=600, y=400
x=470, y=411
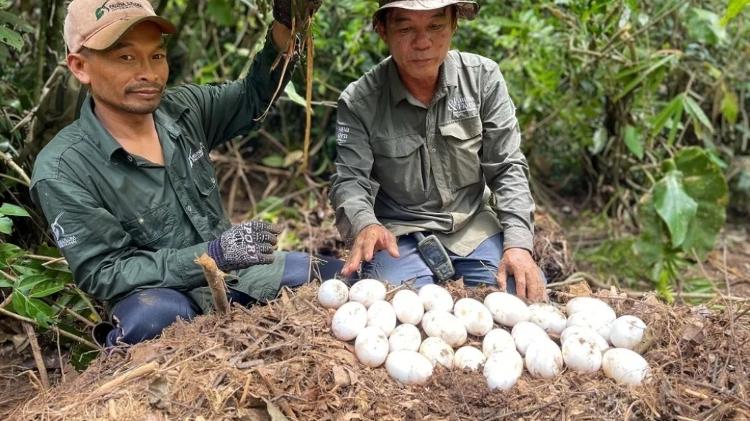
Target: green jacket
x=125, y=224
x=454, y=167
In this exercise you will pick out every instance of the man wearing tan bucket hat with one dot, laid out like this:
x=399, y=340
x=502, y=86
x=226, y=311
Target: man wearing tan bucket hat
x=128, y=188
x=430, y=180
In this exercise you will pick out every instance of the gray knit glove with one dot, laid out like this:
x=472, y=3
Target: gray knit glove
x=247, y=244
x=284, y=10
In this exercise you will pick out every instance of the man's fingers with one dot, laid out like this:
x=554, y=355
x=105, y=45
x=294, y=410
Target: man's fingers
x=265, y=259
x=392, y=246
x=368, y=248
x=520, y=284
x=502, y=278
x=352, y=264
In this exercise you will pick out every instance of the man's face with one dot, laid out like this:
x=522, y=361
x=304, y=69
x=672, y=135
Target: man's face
x=130, y=76
x=419, y=40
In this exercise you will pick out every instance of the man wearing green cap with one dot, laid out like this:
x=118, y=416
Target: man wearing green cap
x=128, y=188
x=429, y=144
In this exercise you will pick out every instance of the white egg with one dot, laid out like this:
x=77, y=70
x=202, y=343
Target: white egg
x=381, y=314
x=497, y=340
x=444, y=325
x=468, y=357
x=586, y=333
x=408, y=306
x=625, y=366
x=526, y=333
x=590, y=305
x=544, y=359
x=408, y=367
x=582, y=354
x=503, y=369
x=405, y=337
x=435, y=297
x=506, y=309
x=476, y=318
x=367, y=291
x=595, y=321
x=437, y=351
x=348, y=321
x=627, y=332
x=371, y=346
x=548, y=317
x=333, y=293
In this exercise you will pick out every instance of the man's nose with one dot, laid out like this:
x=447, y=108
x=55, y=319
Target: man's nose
x=422, y=40
x=148, y=71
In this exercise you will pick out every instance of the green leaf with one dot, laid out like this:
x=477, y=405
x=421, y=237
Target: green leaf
x=642, y=75
x=26, y=283
x=695, y=111
x=633, y=141
x=11, y=38
x=12, y=210
x=4, y=283
x=6, y=225
x=660, y=121
x=222, y=11
x=730, y=107
x=674, y=206
x=47, y=288
x=296, y=98
x=704, y=181
x=735, y=8
x=33, y=308
x=275, y=161
x=599, y=141
x=8, y=253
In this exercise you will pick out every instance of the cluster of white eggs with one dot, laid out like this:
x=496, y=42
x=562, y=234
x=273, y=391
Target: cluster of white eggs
x=363, y=315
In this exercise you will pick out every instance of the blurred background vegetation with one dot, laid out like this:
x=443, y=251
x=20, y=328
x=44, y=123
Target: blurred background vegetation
x=634, y=116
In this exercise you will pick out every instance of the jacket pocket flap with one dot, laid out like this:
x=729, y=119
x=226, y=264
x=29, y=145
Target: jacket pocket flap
x=462, y=129
x=398, y=146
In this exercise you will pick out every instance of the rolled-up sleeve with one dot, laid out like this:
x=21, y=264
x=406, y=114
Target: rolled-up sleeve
x=504, y=165
x=352, y=191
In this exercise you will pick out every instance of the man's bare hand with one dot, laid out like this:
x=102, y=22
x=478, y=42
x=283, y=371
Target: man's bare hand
x=371, y=239
x=529, y=283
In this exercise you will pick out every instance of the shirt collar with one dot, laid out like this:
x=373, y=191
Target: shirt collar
x=448, y=77
x=163, y=116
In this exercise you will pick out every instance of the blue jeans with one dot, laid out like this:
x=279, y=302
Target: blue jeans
x=144, y=314
x=479, y=267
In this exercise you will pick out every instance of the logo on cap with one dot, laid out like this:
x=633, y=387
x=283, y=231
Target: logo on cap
x=102, y=10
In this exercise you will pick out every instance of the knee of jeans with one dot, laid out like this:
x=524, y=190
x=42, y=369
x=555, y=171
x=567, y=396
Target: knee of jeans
x=145, y=314
x=297, y=269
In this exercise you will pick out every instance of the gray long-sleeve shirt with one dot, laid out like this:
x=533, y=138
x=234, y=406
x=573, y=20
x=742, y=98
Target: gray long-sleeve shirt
x=454, y=168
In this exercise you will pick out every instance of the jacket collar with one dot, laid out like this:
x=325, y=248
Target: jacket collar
x=448, y=77
x=165, y=116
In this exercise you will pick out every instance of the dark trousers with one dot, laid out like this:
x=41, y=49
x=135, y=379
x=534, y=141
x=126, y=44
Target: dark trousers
x=144, y=314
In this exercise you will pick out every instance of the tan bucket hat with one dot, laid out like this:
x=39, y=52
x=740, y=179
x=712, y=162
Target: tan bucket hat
x=466, y=9
x=98, y=24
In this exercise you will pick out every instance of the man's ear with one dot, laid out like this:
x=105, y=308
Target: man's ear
x=77, y=64
x=380, y=29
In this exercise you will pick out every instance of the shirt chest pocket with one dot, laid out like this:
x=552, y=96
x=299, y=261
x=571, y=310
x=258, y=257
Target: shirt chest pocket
x=399, y=167
x=152, y=228
x=464, y=142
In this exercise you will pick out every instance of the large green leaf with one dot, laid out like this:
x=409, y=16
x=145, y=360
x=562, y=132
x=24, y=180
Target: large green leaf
x=704, y=181
x=47, y=288
x=12, y=210
x=675, y=207
x=8, y=253
x=222, y=11
x=32, y=308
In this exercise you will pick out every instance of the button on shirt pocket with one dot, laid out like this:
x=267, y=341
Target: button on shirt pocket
x=151, y=228
x=464, y=141
x=399, y=167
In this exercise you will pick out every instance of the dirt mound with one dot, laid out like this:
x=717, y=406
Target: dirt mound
x=280, y=361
